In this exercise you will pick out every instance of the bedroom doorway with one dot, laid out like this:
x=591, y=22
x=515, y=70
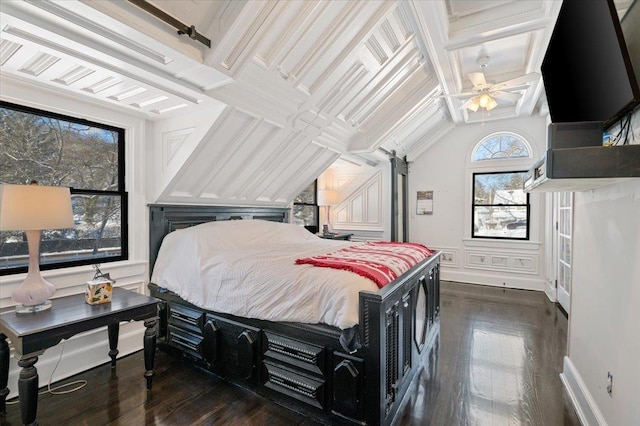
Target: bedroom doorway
x=563, y=212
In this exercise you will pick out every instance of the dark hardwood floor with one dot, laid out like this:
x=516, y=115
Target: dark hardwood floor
x=498, y=363
x=500, y=357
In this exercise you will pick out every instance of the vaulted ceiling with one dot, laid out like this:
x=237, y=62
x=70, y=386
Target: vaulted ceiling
x=285, y=82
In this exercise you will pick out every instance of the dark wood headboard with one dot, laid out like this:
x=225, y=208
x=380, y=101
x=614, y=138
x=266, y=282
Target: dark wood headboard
x=166, y=218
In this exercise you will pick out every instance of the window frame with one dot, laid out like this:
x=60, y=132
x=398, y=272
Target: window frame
x=500, y=134
x=313, y=229
x=120, y=192
x=527, y=205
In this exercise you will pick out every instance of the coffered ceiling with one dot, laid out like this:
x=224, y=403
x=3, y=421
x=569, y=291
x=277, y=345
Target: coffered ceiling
x=347, y=77
x=354, y=75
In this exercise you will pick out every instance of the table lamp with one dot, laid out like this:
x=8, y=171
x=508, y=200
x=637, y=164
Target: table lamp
x=327, y=198
x=32, y=208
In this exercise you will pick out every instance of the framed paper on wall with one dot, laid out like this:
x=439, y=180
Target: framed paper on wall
x=424, y=202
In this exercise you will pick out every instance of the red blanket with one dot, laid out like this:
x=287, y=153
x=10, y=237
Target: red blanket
x=381, y=262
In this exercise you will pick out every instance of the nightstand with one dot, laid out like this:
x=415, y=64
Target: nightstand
x=33, y=333
x=344, y=237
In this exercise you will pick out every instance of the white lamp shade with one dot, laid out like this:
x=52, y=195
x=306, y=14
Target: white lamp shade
x=327, y=197
x=35, y=207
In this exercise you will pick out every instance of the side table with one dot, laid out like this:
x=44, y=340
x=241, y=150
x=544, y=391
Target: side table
x=33, y=333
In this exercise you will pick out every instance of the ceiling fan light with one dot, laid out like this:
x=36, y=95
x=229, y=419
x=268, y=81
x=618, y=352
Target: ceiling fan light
x=474, y=104
x=492, y=104
x=485, y=100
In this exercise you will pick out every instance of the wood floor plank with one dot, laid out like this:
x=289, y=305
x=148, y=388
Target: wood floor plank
x=496, y=362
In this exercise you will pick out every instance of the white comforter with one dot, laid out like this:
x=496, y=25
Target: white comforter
x=247, y=268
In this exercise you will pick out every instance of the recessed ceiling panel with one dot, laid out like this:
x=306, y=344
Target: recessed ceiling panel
x=458, y=9
x=506, y=55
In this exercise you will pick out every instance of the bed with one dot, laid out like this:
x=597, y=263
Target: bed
x=348, y=358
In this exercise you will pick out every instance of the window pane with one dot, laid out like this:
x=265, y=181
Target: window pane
x=56, y=152
x=503, y=145
x=308, y=196
x=499, y=188
x=501, y=207
x=305, y=215
x=96, y=236
x=500, y=222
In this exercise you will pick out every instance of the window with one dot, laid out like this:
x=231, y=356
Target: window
x=305, y=208
x=500, y=206
x=88, y=157
x=501, y=145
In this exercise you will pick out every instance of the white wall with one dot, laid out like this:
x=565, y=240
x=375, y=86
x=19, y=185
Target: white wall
x=604, y=326
x=364, y=192
x=90, y=349
x=445, y=169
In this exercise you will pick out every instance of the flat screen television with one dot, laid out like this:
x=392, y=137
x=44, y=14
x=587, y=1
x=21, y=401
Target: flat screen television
x=587, y=71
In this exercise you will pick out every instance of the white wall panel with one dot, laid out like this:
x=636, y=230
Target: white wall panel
x=357, y=208
x=174, y=142
x=342, y=216
x=374, y=201
x=362, y=208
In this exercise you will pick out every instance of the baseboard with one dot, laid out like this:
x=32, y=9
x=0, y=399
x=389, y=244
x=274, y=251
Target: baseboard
x=550, y=290
x=582, y=400
x=81, y=352
x=522, y=283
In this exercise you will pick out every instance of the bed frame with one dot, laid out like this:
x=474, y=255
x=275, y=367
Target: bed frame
x=303, y=366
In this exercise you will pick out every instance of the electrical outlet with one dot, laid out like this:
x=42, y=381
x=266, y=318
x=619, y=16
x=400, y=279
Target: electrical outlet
x=609, y=383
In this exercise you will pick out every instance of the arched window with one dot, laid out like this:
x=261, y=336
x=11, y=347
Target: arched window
x=501, y=145
x=500, y=207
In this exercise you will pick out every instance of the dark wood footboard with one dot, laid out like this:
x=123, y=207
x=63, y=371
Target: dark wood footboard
x=303, y=366
x=399, y=324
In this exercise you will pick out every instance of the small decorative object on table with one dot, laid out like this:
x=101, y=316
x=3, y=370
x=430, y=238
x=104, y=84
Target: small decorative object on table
x=99, y=288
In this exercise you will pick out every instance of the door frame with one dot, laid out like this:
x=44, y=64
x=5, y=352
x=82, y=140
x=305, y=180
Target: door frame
x=563, y=296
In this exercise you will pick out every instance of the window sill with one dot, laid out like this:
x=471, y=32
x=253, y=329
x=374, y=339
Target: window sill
x=119, y=270
x=502, y=244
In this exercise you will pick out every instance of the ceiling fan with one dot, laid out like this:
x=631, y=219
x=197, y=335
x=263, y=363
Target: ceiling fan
x=484, y=95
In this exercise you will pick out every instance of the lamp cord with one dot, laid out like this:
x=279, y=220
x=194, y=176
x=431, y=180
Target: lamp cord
x=55, y=391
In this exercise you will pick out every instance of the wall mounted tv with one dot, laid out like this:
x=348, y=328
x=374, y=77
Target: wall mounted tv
x=587, y=70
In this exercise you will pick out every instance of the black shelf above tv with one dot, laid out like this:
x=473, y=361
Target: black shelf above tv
x=583, y=168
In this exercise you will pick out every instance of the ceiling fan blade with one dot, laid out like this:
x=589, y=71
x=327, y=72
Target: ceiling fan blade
x=478, y=80
x=506, y=96
x=518, y=81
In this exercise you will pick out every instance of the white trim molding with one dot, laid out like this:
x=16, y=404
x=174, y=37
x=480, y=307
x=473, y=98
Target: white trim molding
x=582, y=400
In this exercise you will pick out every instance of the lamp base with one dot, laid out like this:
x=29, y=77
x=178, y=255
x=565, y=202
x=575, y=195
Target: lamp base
x=28, y=309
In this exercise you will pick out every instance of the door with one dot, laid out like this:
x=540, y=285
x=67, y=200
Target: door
x=564, y=226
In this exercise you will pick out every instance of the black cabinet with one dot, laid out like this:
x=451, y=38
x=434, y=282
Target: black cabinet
x=227, y=347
